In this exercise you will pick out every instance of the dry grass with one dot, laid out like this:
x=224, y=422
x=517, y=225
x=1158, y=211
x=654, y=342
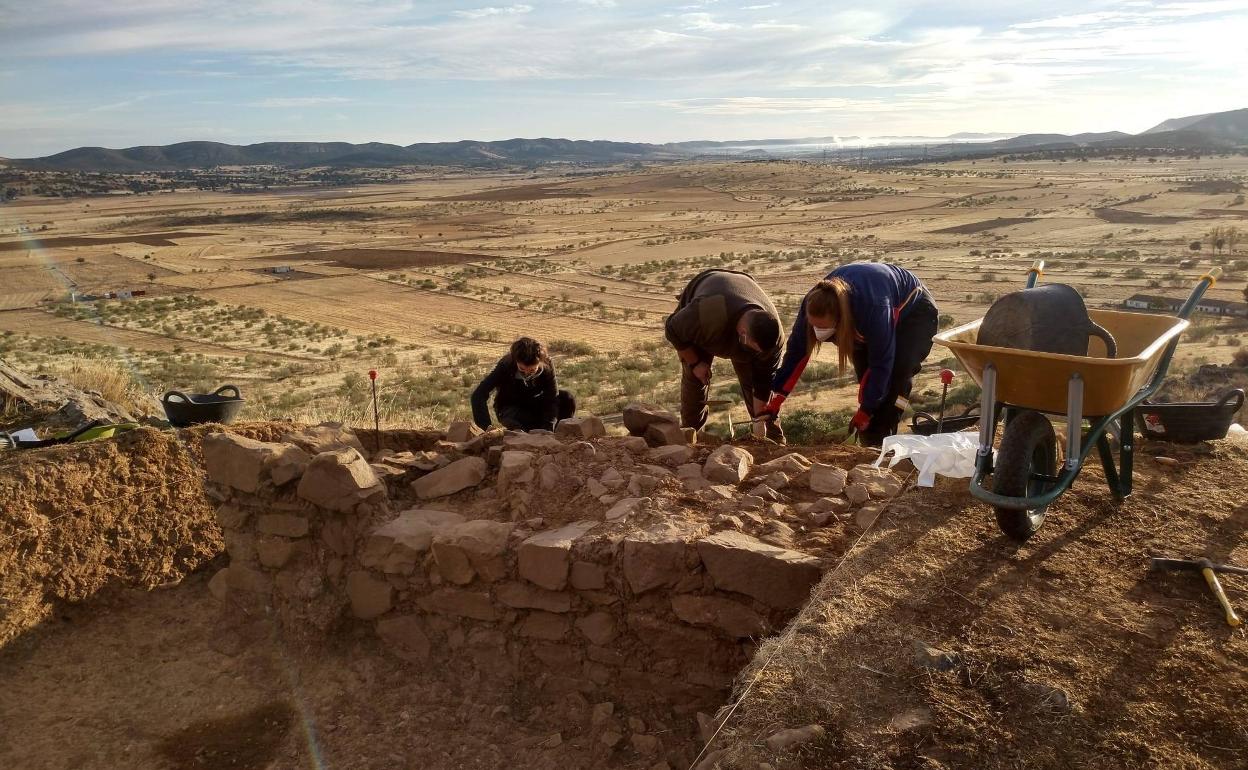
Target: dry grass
x=112, y=379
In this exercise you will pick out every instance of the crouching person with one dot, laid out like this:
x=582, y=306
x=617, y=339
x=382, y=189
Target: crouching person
x=526, y=395
x=725, y=314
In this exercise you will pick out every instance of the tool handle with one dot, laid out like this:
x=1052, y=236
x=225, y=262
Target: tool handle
x=1215, y=585
x=1159, y=563
x=1037, y=270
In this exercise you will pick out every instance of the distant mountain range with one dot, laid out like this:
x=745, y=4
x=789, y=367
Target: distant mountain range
x=1213, y=131
x=190, y=155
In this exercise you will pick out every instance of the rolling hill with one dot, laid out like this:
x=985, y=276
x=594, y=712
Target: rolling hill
x=1212, y=131
x=186, y=155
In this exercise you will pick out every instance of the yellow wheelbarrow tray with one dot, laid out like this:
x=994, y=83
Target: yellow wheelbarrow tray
x=1022, y=386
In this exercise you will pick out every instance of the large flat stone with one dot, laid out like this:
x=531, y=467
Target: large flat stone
x=792, y=464
x=638, y=417
x=728, y=465
x=529, y=597
x=880, y=482
x=733, y=618
x=456, y=477
x=472, y=548
x=339, y=480
x=544, y=558
x=238, y=462
x=585, y=427
x=326, y=437
x=827, y=479
x=515, y=467
x=670, y=455
x=778, y=577
x=597, y=627
x=464, y=604
x=656, y=556
x=411, y=531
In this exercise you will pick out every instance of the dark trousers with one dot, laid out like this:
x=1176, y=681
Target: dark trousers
x=694, y=393
x=526, y=418
x=913, y=342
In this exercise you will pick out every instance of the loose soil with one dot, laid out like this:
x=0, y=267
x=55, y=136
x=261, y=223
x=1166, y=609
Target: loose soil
x=1071, y=653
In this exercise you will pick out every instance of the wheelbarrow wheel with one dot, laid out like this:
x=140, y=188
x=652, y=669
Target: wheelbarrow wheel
x=1029, y=446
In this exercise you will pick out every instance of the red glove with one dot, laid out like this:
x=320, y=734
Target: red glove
x=860, y=421
x=773, y=406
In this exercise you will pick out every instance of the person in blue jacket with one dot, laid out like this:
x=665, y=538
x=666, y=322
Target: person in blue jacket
x=881, y=319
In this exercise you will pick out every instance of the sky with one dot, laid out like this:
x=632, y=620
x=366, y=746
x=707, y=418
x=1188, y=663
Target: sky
x=119, y=73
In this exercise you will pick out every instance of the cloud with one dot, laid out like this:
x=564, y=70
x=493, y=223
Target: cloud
x=494, y=10
x=764, y=61
x=281, y=102
x=703, y=22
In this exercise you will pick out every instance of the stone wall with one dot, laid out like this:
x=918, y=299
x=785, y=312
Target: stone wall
x=669, y=610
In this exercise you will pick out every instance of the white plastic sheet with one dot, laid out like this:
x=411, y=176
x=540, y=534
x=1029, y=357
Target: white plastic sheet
x=945, y=454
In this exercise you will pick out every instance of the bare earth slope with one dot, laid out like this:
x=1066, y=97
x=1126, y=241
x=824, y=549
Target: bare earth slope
x=1070, y=654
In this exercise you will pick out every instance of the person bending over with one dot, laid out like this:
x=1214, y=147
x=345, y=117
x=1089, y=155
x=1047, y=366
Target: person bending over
x=725, y=313
x=526, y=395
x=881, y=318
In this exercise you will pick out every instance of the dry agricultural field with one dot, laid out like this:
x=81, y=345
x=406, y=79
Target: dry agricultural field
x=294, y=296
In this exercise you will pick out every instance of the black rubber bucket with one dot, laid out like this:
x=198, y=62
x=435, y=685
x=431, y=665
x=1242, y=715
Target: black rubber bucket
x=1189, y=423
x=185, y=409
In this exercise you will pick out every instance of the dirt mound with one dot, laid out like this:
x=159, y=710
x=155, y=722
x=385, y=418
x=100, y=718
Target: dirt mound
x=77, y=517
x=1064, y=652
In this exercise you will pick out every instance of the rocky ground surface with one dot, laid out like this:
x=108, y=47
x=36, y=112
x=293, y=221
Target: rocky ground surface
x=933, y=642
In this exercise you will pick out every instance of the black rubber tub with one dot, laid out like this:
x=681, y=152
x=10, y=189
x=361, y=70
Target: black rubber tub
x=926, y=424
x=185, y=409
x=1189, y=423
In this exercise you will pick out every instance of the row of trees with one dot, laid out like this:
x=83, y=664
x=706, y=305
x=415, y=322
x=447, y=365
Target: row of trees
x=1220, y=238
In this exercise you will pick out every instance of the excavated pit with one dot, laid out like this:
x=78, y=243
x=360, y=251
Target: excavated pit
x=525, y=600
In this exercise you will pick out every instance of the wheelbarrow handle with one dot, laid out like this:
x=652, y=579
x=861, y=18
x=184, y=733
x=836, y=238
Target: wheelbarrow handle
x=1033, y=275
x=1205, y=283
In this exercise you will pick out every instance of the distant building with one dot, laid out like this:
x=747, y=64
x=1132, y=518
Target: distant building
x=1170, y=305
x=282, y=269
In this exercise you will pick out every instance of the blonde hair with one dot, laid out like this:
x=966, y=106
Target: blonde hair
x=830, y=299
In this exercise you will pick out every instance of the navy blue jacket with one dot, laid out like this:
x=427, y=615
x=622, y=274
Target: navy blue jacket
x=879, y=296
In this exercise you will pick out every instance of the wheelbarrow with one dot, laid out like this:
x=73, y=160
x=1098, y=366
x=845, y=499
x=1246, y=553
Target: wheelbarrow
x=1023, y=387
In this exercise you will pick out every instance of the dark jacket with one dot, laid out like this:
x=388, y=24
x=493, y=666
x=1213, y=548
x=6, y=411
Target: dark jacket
x=538, y=397
x=706, y=317
x=879, y=296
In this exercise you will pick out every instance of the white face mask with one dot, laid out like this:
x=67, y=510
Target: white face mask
x=824, y=333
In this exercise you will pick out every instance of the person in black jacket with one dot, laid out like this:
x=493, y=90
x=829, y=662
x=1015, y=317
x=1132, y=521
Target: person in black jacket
x=526, y=395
